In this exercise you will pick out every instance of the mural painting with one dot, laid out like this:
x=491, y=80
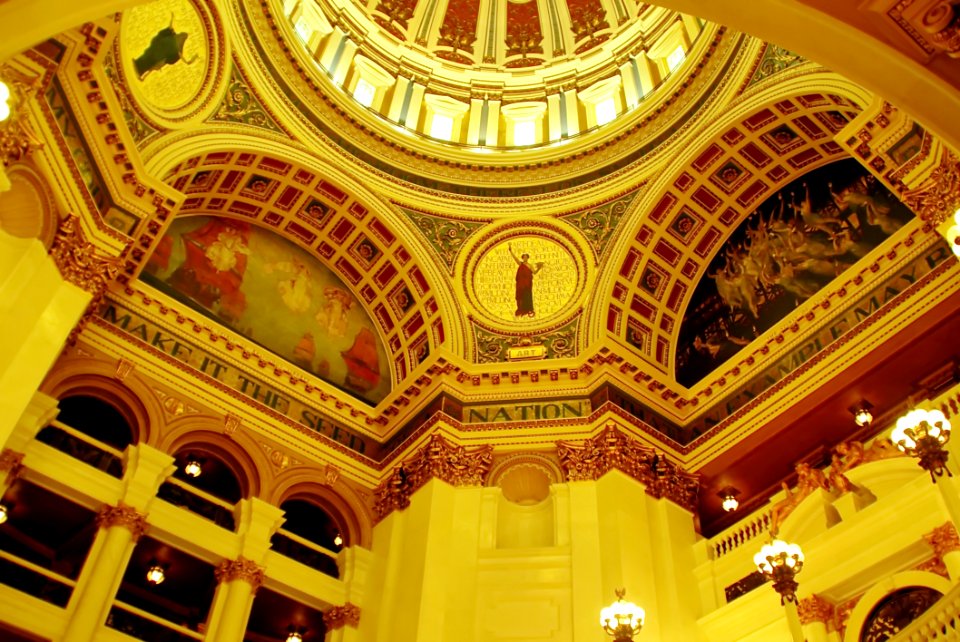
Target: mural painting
x=275, y=293
x=525, y=279
x=795, y=243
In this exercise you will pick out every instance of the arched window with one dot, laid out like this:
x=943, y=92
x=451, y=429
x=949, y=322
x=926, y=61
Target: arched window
x=91, y=430
x=310, y=535
x=206, y=483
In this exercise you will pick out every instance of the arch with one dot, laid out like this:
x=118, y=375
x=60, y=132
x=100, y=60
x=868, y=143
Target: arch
x=204, y=436
x=876, y=593
x=338, y=499
x=131, y=396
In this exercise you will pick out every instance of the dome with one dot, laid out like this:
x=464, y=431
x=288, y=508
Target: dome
x=425, y=92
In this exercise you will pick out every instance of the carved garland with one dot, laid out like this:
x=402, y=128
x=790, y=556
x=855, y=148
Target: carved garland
x=612, y=449
x=124, y=516
x=440, y=459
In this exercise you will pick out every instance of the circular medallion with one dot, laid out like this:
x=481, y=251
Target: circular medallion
x=171, y=53
x=526, y=276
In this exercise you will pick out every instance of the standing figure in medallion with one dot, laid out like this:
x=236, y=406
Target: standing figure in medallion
x=524, y=283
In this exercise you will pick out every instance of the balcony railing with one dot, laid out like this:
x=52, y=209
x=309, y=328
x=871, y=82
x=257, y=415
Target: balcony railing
x=180, y=493
x=83, y=447
x=306, y=552
x=144, y=625
x=939, y=623
x=35, y=580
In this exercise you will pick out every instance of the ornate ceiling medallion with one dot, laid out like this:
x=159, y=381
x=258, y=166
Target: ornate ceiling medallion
x=524, y=277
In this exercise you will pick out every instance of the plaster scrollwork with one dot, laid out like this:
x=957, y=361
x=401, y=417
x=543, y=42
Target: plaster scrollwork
x=240, y=569
x=440, y=459
x=614, y=450
x=338, y=617
x=125, y=517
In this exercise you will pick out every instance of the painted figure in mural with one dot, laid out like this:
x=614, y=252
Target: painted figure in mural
x=297, y=291
x=524, y=293
x=214, y=266
x=363, y=366
x=784, y=253
x=332, y=318
x=166, y=48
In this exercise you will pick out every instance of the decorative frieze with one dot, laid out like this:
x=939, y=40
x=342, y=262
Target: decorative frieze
x=240, y=569
x=613, y=450
x=440, y=459
x=124, y=516
x=338, y=617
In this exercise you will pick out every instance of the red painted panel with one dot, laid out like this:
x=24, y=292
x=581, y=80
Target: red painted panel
x=667, y=252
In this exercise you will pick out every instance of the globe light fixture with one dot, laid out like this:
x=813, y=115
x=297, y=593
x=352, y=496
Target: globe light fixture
x=861, y=413
x=923, y=434
x=622, y=620
x=156, y=574
x=192, y=468
x=728, y=497
x=295, y=634
x=3, y=513
x=338, y=540
x=780, y=562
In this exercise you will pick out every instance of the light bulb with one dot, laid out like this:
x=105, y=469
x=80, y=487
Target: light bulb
x=155, y=574
x=3, y=513
x=338, y=541
x=192, y=468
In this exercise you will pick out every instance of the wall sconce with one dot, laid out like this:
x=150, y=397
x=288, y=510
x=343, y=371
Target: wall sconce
x=193, y=467
x=861, y=413
x=295, y=634
x=3, y=513
x=780, y=562
x=156, y=573
x=729, y=499
x=622, y=620
x=923, y=434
